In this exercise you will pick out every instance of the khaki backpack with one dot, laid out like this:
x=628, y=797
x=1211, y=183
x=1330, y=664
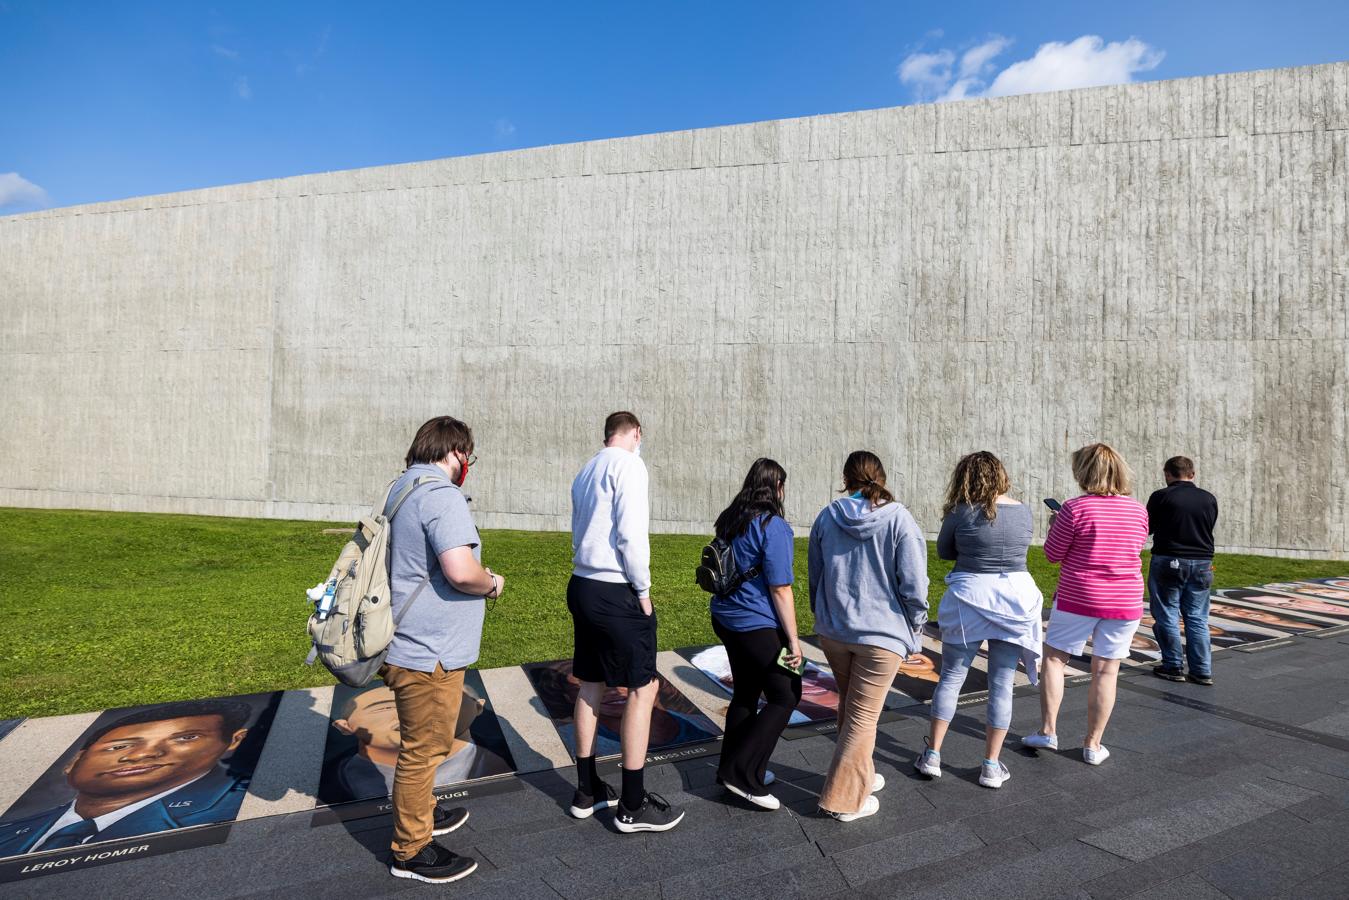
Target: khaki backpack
x=351, y=630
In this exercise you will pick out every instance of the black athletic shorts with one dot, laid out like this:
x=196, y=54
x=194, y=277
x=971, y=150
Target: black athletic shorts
x=615, y=640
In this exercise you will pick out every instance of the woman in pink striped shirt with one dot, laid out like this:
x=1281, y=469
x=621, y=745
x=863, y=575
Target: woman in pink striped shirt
x=1098, y=538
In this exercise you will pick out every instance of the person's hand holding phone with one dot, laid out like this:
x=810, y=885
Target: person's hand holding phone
x=793, y=659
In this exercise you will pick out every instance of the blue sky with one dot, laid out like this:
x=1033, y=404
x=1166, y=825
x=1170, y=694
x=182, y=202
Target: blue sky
x=104, y=100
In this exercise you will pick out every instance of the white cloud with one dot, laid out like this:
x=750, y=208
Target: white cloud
x=504, y=129
x=927, y=73
x=18, y=193
x=242, y=88
x=976, y=59
x=1056, y=66
x=1086, y=62
x=225, y=52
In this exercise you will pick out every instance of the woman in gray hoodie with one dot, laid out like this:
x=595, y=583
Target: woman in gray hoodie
x=868, y=590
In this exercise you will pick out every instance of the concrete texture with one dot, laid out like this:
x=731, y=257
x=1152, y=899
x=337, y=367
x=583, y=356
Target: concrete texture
x=287, y=775
x=531, y=735
x=1158, y=265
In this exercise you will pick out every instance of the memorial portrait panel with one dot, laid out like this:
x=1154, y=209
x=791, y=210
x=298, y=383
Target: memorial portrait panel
x=143, y=770
x=361, y=750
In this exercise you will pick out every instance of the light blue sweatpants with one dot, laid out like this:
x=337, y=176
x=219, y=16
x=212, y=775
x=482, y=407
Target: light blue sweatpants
x=955, y=665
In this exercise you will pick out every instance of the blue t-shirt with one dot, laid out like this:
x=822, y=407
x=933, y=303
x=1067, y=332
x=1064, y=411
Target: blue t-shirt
x=770, y=547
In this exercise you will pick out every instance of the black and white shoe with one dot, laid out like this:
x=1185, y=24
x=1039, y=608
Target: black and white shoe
x=655, y=814
x=434, y=865
x=447, y=820
x=583, y=805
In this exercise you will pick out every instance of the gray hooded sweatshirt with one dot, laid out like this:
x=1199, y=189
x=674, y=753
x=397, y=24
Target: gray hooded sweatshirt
x=868, y=575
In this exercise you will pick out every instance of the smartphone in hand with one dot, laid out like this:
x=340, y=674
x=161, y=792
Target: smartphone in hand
x=1054, y=505
x=782, y=661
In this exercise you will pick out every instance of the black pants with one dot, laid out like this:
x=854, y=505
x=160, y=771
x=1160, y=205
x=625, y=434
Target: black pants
x=751, y=732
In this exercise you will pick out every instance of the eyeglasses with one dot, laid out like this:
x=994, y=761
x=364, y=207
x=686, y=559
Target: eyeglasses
x=471, y=461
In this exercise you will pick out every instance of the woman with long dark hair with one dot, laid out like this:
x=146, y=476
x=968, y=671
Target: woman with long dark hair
x=756, y=621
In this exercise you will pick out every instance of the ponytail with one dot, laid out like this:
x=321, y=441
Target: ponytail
x=864, y=473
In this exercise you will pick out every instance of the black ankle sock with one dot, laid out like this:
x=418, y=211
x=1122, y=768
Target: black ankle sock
x=634, y=788
x=587, y=776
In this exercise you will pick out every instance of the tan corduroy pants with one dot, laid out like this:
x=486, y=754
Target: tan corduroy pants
x=864, y=675
x=428, y=714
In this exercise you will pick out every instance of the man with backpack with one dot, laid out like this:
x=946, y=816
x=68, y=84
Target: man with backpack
x=609, y=597
x=438, y=587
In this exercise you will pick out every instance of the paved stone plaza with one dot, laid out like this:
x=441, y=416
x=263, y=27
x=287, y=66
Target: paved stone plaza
x=1240, y=790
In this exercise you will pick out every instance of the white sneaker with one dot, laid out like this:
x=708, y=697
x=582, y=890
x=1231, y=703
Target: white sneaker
x=993, y=776
x=1095, y=757
x=929, y=764
x=763, y=801
x=877, y=782
x=869, y=808
x=1038, y=741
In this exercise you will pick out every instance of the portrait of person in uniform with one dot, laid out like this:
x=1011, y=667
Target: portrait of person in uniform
x=362, y=745
x=141, y=771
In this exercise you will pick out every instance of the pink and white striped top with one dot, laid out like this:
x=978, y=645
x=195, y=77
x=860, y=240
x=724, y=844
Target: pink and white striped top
x=1098, y=540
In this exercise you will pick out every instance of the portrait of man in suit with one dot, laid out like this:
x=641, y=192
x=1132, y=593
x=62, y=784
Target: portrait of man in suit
x=152, y=770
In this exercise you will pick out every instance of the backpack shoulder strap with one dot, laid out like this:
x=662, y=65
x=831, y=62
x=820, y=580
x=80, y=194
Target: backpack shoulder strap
x=398, y=619
x=407, y=492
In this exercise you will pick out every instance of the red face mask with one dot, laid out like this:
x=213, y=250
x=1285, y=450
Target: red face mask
x=464, y=463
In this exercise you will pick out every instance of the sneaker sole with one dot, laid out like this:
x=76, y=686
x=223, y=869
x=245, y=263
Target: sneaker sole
x=636, y=827
x=437, y=832
x=927, y=773
x=405, y=873
x=1169, y=677
x=584, y=812
x=994, y=784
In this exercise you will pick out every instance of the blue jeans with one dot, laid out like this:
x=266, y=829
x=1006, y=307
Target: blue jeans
x=955, y=665
x=1179, y=590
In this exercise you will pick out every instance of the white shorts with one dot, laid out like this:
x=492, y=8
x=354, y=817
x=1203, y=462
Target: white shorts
x=1110, y=638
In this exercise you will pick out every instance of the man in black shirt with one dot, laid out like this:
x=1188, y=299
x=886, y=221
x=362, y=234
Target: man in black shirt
x=1181, y=517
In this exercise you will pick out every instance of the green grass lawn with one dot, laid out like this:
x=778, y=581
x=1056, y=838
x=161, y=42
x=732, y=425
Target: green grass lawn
x=117, y=609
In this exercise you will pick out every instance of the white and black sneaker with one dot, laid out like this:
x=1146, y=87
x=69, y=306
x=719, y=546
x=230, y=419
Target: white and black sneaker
x=434, y=865
x=655, y=814
x=583, y=805
x=446, y=820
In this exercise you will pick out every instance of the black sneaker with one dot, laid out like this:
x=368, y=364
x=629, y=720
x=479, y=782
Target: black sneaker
x=447, y=820
x=1200, y=679
x=434, y=865
x=583, y=805
x=1168, y=673
x=655, y=814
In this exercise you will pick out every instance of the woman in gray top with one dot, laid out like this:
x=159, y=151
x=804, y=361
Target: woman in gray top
x=989, y=596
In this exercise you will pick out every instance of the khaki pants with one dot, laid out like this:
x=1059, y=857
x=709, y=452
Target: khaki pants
x=864, y=674
x=428, y=713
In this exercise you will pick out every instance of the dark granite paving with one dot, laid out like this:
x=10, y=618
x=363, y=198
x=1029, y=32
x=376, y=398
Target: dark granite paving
x=1240, y=790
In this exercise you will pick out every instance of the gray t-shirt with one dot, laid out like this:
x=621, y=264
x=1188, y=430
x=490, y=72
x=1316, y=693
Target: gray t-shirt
x=978, y=545
x=444, y=625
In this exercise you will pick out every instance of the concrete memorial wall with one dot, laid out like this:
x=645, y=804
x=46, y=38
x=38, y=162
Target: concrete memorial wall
x=1160, y=265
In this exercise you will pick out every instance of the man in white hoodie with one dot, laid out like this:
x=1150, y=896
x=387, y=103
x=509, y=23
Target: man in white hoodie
x=609, y=597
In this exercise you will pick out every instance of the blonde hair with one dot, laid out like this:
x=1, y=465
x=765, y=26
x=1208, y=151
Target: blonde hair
x=1099, y=469
x=978, y=479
